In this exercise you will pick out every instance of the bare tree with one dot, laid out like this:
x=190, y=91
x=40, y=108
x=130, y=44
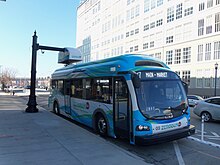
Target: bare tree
x=7, y=75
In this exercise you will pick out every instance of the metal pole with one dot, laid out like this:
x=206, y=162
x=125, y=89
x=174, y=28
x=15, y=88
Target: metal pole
x=202, y=129
x=216, y=68
x=32, y=104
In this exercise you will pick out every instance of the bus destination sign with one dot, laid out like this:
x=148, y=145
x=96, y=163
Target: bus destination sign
x=157, y=75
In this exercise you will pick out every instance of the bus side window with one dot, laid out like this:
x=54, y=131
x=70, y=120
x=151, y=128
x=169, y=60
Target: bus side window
x=87, y=89
x=54, y=84
x=60, y=86
x=77, y=88
x=72, y=89
x=101, y=90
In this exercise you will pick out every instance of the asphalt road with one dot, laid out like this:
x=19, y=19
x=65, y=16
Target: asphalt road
x=181, y=152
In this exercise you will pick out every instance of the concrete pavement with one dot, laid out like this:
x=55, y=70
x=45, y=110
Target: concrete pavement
x=43, y=139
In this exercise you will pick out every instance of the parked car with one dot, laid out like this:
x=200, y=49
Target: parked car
x=209, y=108
x=192, y=99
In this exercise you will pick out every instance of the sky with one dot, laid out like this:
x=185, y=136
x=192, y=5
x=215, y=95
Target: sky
x=55, y=24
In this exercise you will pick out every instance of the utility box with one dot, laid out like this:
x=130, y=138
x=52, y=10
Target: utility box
x=69, y=55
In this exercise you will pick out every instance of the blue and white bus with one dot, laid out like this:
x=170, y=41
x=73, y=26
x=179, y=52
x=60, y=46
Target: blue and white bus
x=130, y=96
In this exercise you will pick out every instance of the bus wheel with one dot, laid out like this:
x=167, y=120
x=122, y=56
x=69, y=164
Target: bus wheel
x=56, y=108
x=101, y=125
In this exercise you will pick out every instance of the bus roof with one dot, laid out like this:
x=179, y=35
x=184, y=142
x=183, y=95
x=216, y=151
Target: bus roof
x=109, y=66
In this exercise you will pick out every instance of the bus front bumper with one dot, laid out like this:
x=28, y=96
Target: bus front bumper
x=166, y=136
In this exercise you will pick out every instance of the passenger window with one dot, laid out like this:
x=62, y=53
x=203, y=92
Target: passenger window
x=87, y=89
x=54, y=84
x=77, y=88
x=101, y=90
x=60, y=86
x=216, y=101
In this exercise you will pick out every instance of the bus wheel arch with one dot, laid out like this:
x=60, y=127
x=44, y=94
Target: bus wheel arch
x=56, y=108
x=100, y=123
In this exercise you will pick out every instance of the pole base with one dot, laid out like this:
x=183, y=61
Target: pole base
x=32, y=105
x=31, y=109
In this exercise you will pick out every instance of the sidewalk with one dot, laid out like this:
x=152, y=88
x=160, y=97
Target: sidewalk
x=26, y=92
x=46, y=139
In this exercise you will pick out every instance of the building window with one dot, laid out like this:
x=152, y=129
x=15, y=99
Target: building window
x=179, y=10
x=128, y=15
x=146, y=27
x=127, y=34
x=153, y=4
x=209, y=24
x=128, y=2
x=217, y=50
x=136, y=48
x=151, y=44
x=136, y=31
x=169, y=39
x=200, y=27
x=207, y=82
x=158, y=55
x=187, y=55
x=177, y=57
x=170, y=14
x=217, y=2
x=208, y=51
x=201, y=6
x=169, y=57
x=145, y=45
x=131, y=49
x=178, y=73
x=209, y=3
x=186, y=76
x=131, y=32
x=152, y=25
x=188, y=11
x=200, y=53
x=159, y=22
x=199, y=82
x=217, y=22
x=159, y=2
x=137, y=11
x=132, y=13
x=146, y=5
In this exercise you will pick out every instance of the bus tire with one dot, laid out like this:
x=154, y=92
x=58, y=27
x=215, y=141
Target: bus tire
x=56, y=109
x=101, y=125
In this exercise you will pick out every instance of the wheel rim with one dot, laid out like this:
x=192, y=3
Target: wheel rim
x=102, y=125
x=206, y=116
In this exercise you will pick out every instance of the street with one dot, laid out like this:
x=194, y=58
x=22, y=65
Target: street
x=184, y=151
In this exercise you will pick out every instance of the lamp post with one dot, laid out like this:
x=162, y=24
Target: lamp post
x=32, y=103
x=216, y=69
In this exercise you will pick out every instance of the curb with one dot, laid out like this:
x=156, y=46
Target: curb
x=204, y=142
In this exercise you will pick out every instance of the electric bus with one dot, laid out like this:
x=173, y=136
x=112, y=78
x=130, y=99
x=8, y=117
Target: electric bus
x=130, y=96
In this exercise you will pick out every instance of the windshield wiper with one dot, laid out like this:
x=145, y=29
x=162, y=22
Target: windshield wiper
x=183, y=107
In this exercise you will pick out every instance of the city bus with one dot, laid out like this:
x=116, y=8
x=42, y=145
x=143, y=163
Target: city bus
x=131, y=96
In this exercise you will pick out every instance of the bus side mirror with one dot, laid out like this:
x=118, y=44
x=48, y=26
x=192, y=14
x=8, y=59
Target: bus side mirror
x=185, y=85
x=136, y=80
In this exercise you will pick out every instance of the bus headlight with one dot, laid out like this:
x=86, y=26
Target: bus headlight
x=142, y=128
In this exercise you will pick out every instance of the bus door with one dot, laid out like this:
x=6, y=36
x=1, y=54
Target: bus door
x=121, y=108
x=67, y=98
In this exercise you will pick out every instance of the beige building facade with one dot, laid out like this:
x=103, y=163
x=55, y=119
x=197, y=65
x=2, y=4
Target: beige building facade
x=185, y=34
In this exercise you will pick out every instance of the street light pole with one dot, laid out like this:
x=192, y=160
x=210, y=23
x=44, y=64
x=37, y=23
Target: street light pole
x=216, y=69
x=32, y=104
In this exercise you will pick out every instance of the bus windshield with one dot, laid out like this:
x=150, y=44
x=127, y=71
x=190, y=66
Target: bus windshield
x=161, y=95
